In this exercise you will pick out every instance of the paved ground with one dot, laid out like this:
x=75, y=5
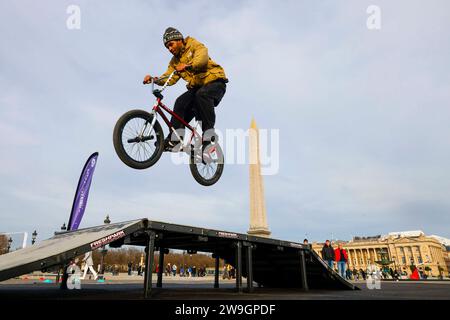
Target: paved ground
x=201, y=289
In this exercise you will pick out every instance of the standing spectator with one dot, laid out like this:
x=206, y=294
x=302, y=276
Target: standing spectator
x=306, y=243
x=328, y=254
x=182, y=271
x=89, y=265
x=415, y=274
x=232, y=273
x=168, y=271
x=341, y=258
x=225, y=274
x=130, y=265
x=363, y=274
x=355, y=274
x=396, y=275
x=190, y=271
x=174, y=269
x=348, y=274
x=391, y=273
x=194, y=271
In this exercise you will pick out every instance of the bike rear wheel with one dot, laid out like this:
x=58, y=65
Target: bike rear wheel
x=207, y=169
x=137, y=143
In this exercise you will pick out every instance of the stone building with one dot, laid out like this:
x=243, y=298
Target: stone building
x=401, y=249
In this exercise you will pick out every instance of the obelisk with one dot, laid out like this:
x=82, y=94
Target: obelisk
x=258, y=217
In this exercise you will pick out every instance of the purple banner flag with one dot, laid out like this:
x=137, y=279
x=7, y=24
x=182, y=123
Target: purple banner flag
x=81, y=196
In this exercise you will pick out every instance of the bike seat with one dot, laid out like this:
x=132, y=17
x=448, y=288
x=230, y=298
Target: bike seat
x=157, y=93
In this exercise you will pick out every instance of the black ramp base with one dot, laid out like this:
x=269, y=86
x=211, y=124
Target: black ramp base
x=269, y=262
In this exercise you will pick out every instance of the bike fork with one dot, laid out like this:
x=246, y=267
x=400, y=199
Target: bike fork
x=152, y=125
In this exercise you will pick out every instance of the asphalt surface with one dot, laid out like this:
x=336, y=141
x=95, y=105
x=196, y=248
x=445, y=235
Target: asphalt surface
x=203, y=290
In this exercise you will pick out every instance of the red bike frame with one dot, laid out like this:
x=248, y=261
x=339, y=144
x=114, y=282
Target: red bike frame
x=157, y=108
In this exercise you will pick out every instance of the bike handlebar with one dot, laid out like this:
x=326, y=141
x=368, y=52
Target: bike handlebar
x=152, y=82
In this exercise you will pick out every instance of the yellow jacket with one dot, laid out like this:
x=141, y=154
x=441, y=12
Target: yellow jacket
x=203, y=70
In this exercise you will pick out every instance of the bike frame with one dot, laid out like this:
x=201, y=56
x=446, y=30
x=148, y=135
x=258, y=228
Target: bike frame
x=158, y=108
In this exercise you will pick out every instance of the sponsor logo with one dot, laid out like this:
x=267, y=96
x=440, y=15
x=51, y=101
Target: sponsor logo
x=227, y=234
x=104, y=241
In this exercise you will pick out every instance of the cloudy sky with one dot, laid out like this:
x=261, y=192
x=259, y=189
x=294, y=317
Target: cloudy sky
x=363, y=115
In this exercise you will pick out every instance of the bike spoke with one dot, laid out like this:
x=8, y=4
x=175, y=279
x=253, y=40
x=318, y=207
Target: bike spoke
x=138, y=129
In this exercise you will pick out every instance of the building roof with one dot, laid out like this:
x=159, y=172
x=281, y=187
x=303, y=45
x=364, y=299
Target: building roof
x=412, y=234
x=444, y=241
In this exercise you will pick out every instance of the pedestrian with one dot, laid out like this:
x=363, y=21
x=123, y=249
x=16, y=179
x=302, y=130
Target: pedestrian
x=363, y=274
x=130, y=265
x=89, y=265
x=341, y=259
x=355, y=274
x=348, y=274
x=328, y=254
x=396, y=275
x=181, y=271
x=415, y=274
x=225, y=272
x=174, y=269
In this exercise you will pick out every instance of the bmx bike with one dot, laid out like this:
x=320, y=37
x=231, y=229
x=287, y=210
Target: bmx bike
x=139, y=141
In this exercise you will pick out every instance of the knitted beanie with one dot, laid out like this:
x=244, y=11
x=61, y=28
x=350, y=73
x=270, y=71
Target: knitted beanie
x=171, y=34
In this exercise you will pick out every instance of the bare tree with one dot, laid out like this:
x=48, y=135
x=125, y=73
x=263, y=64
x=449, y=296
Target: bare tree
x=121, y=257
x=3, y=244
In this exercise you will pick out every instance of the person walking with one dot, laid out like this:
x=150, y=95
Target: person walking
x=363, y=274
x=181, y=271
x=89, y=263
x=174, y=269
x=341, y=258
x=130, y=265
x=355, y=274
x=328, y=254
x=348, y=274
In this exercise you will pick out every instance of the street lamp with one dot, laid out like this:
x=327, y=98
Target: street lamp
x=33, y=237
x=10, y=240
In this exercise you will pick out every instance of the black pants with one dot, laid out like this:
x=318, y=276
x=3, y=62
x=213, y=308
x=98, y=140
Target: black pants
x=203, y=100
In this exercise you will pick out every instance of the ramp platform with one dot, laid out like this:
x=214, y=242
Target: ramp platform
x=265, y=261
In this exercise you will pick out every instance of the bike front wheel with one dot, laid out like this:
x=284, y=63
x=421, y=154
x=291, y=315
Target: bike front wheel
x=137, y=143
x=207, y=168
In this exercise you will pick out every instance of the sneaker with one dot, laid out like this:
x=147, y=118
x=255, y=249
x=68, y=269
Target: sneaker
x=207, y=149
x=172, y=146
